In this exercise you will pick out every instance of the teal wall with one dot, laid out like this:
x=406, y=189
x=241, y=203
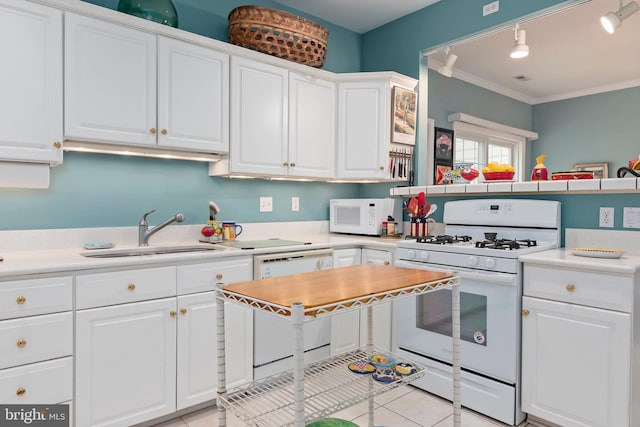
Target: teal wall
x=90, y=190
x=590, y=129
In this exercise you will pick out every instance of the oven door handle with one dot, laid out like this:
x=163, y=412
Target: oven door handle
x=492, y=277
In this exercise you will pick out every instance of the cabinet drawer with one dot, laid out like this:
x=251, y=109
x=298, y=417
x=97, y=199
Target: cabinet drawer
x=119, y=287
x=36, y=338
x=579, y=287
x=26, y=297
x=203, y=277
x=37, y=383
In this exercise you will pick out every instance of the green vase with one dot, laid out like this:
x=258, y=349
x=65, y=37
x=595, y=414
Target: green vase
x=161, y=11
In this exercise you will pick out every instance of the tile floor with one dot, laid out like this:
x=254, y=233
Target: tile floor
x=404, y=406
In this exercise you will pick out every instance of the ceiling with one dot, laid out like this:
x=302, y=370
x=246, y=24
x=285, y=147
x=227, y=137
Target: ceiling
x=570, y=54
x=349, y=13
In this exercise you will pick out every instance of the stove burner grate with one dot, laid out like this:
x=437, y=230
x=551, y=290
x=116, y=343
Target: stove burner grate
x=506, y=244
x=443, y=239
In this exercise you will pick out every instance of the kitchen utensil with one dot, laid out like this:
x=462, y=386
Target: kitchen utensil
x=412, y=207
x=432, y=209
x=214, y=210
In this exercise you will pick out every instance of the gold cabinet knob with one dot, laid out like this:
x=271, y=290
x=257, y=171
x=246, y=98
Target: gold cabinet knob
x=571, y=287
x=163, y=131
x=21, y=391
x=285, y=164
x=293, y=164
x=525, y=312
x=172, y=313
x=153, y=131
x=381, y=168
x=21, y=300
x=183, y=311
x=21, y=343
x=131, y=287
x=386, y=263
x=57, y=145
x=219, y=276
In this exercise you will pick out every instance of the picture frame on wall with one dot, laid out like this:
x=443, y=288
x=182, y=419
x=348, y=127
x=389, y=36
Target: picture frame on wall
x=443, y=145
x=600, y=170
x=403, y=127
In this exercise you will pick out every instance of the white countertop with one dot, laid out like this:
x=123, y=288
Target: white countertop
x=59, y=251
x=628, y=264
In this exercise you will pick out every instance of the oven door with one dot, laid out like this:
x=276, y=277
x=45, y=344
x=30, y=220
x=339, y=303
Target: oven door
x=489, y=322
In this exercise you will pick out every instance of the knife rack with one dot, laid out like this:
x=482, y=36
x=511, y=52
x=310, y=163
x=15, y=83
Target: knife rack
x=401, y=163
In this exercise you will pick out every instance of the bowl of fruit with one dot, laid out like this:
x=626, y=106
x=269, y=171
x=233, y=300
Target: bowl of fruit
x=495, y=171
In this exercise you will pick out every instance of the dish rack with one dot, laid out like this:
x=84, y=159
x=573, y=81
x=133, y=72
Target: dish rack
x=306, y=394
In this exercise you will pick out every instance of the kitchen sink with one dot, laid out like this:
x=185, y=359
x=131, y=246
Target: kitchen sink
x=153, y=250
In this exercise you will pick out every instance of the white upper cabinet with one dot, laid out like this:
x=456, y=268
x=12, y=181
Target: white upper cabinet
x=112, y=95
x=312, y=129
x=364, y=124
x=259, y=118
x=30, y=82
x=193, y=97
x=282, y=123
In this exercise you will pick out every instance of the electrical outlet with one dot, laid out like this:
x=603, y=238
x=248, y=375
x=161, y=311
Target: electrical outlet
x=490, y=8
x=295, y=204
x=266, y=204
x=606, y=217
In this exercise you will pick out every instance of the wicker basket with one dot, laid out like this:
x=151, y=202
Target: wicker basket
x=279, y=34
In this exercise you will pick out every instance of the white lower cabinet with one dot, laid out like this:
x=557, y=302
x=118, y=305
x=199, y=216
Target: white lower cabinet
x=125, y=363
x=349, y=330
x=576, y=358
x=139, y=360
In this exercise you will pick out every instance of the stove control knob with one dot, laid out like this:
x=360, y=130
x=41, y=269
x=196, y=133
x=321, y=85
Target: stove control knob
x=490, y=263
x=424, y=255
x=473, y=260
x=411, y=254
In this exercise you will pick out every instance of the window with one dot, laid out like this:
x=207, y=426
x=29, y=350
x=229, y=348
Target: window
x=480, y=146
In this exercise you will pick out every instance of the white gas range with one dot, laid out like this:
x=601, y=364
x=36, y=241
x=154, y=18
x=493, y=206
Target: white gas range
x=482, y=242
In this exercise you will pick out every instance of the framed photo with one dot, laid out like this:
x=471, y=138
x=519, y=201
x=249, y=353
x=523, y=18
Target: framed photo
x=404, y=116
x=443, y=145
x=600, y=170
x=443, y=173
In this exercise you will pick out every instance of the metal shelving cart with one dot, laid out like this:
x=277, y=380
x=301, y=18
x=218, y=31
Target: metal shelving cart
x=306, y=394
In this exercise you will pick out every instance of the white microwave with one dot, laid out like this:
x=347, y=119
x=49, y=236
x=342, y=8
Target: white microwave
x=363, y=216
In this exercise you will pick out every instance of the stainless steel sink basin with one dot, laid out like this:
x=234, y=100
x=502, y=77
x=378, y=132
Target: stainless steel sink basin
x=142, y=251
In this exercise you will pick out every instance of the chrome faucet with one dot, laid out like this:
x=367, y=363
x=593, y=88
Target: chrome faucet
x=143, y=228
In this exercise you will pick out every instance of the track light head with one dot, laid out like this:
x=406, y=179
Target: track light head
x=520, y=49
x=447, y=69
x=612, y=20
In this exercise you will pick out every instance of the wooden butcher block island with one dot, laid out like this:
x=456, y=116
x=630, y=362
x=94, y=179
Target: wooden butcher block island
x=314, y=392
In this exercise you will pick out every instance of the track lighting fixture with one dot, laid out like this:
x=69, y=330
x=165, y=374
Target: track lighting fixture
x=447, y=69
x=520, y=49
x=613, y=20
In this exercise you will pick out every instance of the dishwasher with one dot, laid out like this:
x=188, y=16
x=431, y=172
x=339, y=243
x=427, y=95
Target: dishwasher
x=272, y=335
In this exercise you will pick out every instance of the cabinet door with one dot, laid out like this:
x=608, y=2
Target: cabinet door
x=312, y=131
x=197, y=350
x=575, y=363
x=30, y=82
x=193, y=97
x=125, y=363
x=259, y=118
x=381, y=312
x=110, y=82
x=363, y=129
x=345, y=327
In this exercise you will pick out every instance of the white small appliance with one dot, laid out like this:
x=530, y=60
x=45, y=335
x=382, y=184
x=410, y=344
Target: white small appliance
x=363, y=216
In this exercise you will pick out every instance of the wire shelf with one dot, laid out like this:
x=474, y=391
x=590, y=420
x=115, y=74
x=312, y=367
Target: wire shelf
x=329, y=386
